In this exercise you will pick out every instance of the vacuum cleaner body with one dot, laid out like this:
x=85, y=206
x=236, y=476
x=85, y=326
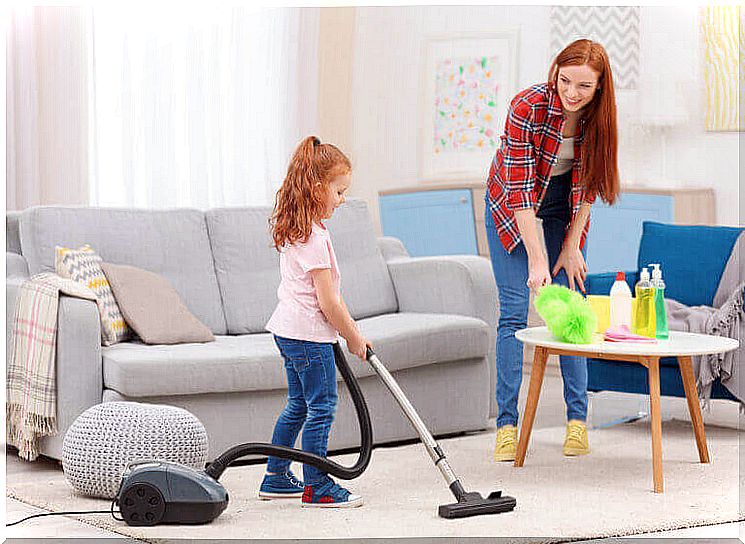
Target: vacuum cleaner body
x=155, y=492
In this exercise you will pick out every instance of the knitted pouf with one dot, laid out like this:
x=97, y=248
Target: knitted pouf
x=106, y=437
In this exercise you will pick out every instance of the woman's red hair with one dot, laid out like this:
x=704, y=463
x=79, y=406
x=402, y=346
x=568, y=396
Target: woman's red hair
x=300, y=200
x=599, y=171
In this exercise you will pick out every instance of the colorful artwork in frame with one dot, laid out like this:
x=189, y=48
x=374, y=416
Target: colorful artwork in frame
x=467, y=82
x=466, y=97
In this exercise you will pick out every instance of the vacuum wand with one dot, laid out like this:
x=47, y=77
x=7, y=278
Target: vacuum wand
x=469, y=503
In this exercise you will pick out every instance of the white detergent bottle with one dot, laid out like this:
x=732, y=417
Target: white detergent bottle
x=620, y=302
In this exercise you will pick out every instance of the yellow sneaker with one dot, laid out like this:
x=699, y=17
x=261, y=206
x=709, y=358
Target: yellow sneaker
x=575, y=441
x=506, y=446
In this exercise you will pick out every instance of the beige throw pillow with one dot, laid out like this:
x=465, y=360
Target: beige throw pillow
x=83, y=265
x=153, y=308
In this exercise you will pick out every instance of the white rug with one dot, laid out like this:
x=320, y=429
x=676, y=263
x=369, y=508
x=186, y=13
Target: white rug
x=608, y=493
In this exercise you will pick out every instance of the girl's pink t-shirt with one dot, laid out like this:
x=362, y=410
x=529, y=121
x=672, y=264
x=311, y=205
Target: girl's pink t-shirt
x=298, y=314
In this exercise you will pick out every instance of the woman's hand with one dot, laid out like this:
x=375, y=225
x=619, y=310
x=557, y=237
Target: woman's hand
x=573, y=262
x=538, y=274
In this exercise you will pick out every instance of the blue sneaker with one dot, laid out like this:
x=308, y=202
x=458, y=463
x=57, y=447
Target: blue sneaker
x=281, y=486
x=328, y=494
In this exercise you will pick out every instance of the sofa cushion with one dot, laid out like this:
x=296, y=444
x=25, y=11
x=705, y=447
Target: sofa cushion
x=247, y=265
x=172, y=243
x=366, y=284
x=692, y=258
x=252, y=362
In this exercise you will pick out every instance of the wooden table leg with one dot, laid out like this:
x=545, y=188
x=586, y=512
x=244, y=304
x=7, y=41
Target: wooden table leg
x=536, y=381
x=689, y=384
x=653, y=364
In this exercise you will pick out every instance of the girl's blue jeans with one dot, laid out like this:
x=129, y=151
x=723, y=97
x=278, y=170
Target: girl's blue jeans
x=511, y=275
x=311, y=401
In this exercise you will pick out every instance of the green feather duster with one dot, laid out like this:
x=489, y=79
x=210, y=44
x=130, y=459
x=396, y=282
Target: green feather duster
x=567, y=314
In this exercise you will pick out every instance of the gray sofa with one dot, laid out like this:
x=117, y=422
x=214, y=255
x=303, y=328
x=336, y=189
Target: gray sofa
x=432, y=321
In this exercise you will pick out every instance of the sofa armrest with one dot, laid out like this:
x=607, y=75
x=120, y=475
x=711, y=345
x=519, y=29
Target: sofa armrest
x=79, y=370
x=12, y=290
x=391, y=248
x=600, y=284
x=15, y=265
x=79, y=365
x=452, y=284
x=458, y=284
x=16, y=272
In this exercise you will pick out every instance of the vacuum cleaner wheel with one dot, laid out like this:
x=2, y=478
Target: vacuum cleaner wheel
x=142, y=504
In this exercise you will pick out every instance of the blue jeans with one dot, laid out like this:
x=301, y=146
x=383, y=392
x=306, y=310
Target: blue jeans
x=511, y=275
x=311, y=401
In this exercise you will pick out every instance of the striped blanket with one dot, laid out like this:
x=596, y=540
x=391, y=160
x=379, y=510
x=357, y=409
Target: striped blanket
x=31, y=403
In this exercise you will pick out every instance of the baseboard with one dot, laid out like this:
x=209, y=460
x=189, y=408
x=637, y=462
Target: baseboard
x=608, y=407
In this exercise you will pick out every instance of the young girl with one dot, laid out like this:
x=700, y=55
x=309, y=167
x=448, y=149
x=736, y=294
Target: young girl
x=558, y=153
x=308, y=319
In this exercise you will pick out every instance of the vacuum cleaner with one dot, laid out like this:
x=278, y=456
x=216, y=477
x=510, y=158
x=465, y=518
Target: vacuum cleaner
x=159, y=492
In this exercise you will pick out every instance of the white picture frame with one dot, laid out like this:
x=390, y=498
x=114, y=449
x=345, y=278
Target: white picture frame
x=449, y=148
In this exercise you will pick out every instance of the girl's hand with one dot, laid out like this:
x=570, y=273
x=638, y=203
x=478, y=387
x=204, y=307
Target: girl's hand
x=538, y=274
x=573, y=262
x=358, y=345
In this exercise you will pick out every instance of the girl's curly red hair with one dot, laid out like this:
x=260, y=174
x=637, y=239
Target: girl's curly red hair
x=300, y=200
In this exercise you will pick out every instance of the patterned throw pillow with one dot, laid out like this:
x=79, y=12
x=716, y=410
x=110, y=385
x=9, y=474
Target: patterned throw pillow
x=84, y=266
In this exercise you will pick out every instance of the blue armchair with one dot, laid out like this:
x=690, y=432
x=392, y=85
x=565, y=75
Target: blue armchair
x=693, y=259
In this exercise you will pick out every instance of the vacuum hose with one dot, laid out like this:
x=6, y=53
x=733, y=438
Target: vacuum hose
x=218, y=466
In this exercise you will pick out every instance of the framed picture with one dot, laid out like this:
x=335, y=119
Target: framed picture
x=467, y=82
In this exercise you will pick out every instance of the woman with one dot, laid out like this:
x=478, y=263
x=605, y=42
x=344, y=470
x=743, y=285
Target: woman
x=558, y=153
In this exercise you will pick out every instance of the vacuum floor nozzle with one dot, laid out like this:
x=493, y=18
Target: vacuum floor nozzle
x=476, y=505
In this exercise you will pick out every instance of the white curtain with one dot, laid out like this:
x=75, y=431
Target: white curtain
x=46, y=106
x=199, y=107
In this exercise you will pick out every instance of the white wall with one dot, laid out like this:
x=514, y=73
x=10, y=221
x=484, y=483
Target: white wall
x=672, y=47
x=386, y=94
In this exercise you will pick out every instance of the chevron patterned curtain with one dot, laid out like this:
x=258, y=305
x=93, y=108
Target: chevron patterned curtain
x=616, y=28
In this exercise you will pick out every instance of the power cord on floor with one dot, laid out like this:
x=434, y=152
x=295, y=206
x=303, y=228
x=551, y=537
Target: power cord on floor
x=110, y=511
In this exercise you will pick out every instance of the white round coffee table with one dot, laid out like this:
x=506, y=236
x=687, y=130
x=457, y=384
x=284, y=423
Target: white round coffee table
x=682, y=345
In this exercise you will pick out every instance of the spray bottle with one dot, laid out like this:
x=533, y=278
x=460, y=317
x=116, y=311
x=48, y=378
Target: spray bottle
x=659, y=302
x=645, y=324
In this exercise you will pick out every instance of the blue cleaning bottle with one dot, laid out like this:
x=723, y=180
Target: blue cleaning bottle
x=662, y=331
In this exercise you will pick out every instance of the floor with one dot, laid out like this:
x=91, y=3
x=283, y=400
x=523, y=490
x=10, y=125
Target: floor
x=550, y=414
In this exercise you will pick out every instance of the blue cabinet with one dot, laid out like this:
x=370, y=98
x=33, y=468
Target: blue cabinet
x=615, y=231
x=450, y=221
x=431, y=222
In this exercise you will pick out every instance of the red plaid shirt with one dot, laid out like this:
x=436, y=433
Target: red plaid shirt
x=521, y=169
